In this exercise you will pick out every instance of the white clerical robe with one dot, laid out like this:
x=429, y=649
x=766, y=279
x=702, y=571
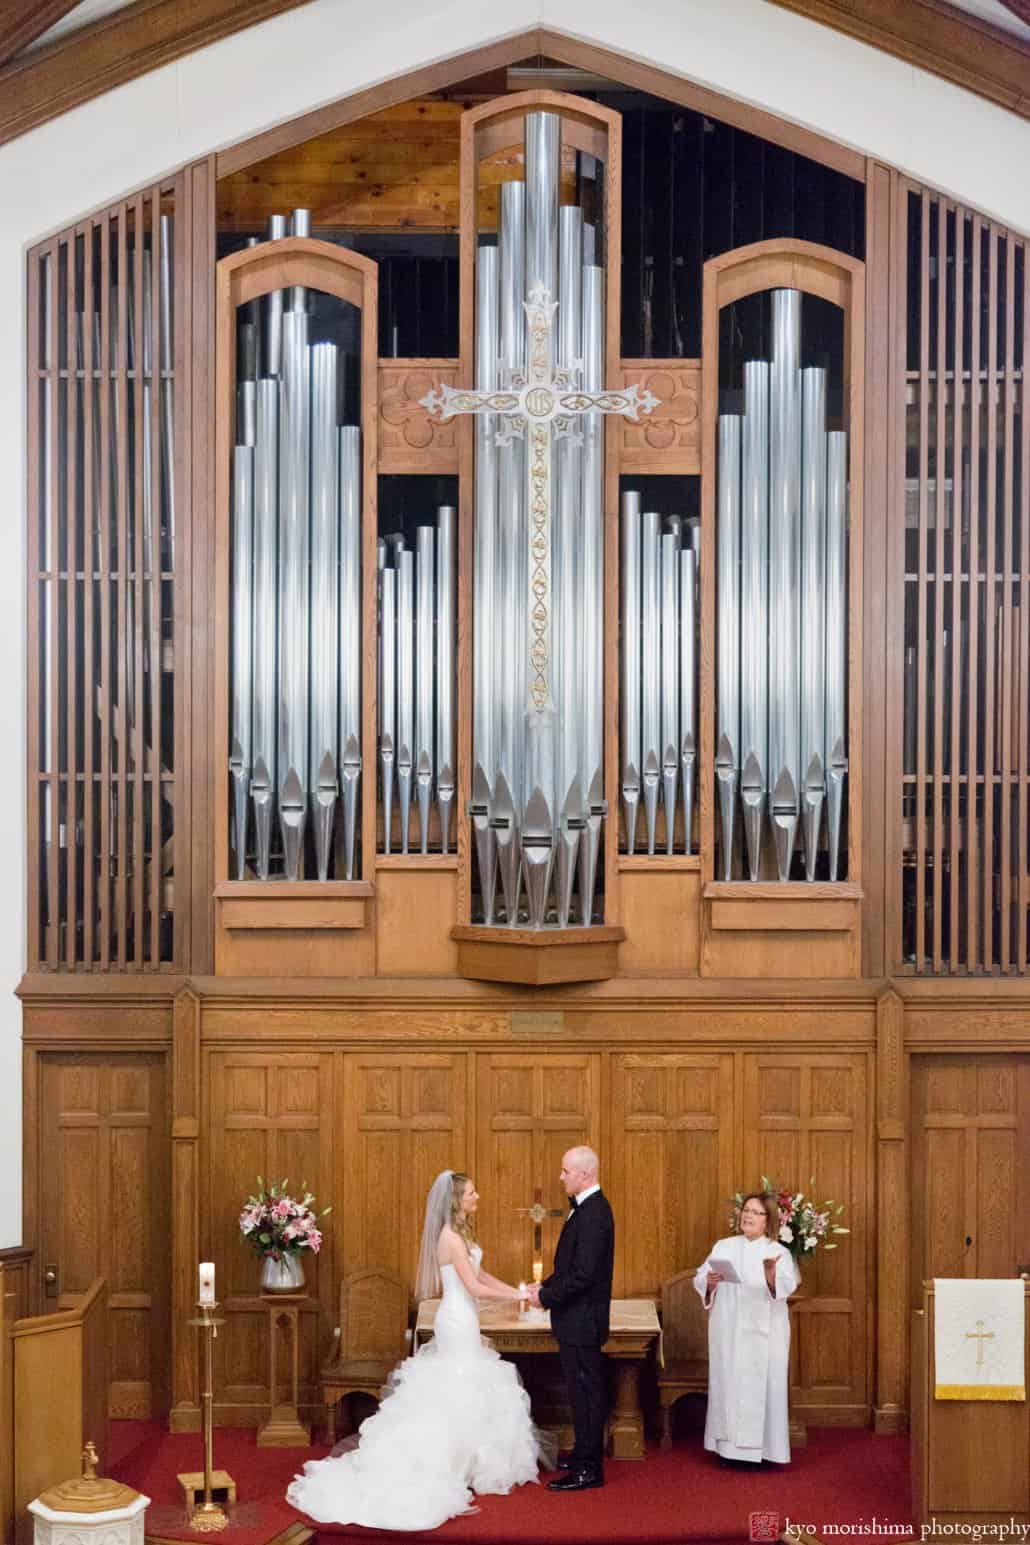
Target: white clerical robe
x=748, y=1351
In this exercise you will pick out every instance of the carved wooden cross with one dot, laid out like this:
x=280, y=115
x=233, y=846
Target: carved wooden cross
x=533, y=405
x=979, y=1336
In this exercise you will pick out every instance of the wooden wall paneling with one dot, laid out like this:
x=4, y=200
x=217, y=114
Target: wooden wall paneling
x=200, y=550
x=405, y=1117
x=671, y=1166
x=416, y=908
x=970, y=1117
x=16, y=1262
x=270, y=1115
x=104, y=1203
x=531, y=1107
x=8, y=1314
x=185, y=1200
x=892, y=1216
x=661, y=913
x=805, y=1114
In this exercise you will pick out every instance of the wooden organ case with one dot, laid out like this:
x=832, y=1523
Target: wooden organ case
x=407, y=914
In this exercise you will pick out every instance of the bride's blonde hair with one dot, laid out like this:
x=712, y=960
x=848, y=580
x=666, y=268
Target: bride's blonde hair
x=459, y=1220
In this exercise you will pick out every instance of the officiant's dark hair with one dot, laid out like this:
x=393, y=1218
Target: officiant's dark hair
x=772, y=1211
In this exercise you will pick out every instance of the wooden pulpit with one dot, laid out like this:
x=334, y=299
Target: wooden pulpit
x=970, y=1458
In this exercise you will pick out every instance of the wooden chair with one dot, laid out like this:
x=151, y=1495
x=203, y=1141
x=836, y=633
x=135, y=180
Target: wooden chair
x=373, y=1332
x=685, y=1346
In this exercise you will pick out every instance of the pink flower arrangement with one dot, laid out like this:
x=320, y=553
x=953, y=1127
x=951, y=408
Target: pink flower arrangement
x=804, y=1224
x=276, y=1224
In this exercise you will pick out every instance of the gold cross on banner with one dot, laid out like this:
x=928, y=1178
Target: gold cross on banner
x=536, y=1214
x=979, y=1336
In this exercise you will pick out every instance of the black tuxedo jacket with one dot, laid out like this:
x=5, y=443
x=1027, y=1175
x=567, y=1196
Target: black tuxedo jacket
x=579, y=1290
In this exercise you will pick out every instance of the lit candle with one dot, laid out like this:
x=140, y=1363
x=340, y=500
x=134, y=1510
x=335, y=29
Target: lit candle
x=538, y=1271
x=207, y=1282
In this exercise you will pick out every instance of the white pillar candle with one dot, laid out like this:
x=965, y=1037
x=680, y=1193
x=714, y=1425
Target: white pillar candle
x=207, y=1282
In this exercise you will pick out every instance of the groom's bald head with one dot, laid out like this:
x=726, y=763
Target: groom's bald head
x=579, y=1167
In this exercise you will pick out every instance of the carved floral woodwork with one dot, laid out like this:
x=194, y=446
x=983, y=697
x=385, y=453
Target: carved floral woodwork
x=667, y=441
x=409, y=440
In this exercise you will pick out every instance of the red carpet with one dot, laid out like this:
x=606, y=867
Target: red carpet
x=842, y=1477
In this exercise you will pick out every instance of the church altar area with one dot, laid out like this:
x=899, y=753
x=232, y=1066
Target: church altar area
x=843, y=1477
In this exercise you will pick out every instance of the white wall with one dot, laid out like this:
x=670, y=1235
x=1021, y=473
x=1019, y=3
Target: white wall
x=746, y=48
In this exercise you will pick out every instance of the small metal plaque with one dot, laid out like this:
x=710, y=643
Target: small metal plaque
x=529, y=1024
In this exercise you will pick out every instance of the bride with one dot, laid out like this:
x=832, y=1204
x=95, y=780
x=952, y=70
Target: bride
x=455, y=1419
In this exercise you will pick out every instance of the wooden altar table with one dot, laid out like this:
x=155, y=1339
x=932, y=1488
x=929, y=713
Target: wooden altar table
x=635, y=1329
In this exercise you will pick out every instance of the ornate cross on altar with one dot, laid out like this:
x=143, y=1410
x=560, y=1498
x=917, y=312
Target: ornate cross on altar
x=979, y=1335
x=536, y=1214
x=535, y=405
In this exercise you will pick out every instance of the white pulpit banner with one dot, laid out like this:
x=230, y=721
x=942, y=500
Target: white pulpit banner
x=979, y=1332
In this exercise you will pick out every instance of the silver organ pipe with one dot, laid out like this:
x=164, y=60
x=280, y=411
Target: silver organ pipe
x=688, y=687
x=296, y=622
x=754, y=609
x=425, y=577
x=325, y=562
x=568, y=583
x=512, y=520
x=631, y=657
x=782, y=624
x=784, y=492
x=591, y=639
x=349, y=439
x=650, y=691
x=727, y=754
x=670, y=675
x=812, y=614
x=416, y=678
x=294, y=563
x=488, y=681
x=387, y=694
x=446, y=614
x=263, y=627
x=836, y=640
x=405, y=561
x=242, y=670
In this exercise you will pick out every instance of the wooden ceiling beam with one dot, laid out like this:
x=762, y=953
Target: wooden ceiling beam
x=1020, y=8
x=120, y=47
x=937, y=37
x=23, y=21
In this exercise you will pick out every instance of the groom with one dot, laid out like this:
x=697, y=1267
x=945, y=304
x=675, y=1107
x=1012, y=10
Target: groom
x=579, y=1293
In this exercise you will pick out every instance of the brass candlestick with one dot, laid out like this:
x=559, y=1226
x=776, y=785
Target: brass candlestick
x=208, y=1516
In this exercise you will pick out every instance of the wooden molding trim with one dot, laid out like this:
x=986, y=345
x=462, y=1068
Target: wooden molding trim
x=118, y=48
x=937, y=37
x=27, y=20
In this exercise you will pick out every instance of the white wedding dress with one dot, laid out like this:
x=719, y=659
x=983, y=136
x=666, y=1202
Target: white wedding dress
x=455, y=1420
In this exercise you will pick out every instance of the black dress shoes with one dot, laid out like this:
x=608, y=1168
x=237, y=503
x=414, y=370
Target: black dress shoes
x=579, y=1479
x=567, y=1461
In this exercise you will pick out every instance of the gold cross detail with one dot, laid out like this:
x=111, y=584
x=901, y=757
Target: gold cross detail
x=979, y=1335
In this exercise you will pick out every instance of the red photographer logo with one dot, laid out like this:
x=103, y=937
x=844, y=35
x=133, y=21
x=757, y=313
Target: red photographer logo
x=763, y=1526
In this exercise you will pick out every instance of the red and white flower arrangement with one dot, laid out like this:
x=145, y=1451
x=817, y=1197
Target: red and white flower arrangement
x=804, y=1223
x=276, y=1224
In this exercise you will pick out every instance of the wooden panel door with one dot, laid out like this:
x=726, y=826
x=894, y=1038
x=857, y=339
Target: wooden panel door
x=530, y=1108
x=404, y=1120
x=671, y=1164
x=270, y=1114
x=971, y=1158
x=806, y=1115
x=104, y=1209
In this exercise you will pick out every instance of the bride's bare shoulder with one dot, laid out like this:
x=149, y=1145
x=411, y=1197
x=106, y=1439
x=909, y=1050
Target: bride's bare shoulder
x=447, y=1243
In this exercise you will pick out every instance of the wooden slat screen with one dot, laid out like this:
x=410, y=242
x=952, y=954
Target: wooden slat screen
x=965, y=509
x=102, y=590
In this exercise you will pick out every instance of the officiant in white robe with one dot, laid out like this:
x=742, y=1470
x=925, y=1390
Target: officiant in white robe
x=749, y=1338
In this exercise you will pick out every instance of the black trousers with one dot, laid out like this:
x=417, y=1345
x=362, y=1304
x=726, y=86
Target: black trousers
x=583, y=1368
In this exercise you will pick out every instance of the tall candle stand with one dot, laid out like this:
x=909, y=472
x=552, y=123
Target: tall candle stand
x=208, y=1516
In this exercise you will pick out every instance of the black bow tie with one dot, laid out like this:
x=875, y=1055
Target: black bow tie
x=573, y=1204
